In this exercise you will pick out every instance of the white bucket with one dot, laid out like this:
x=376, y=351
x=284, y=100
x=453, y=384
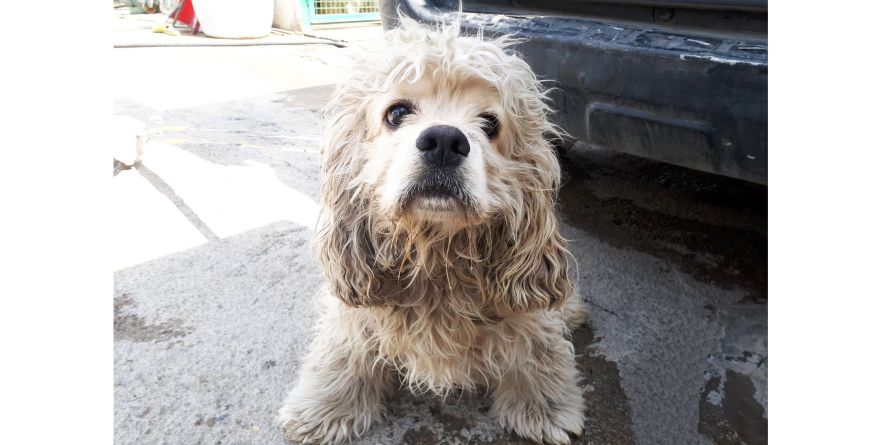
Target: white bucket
x=235, y=19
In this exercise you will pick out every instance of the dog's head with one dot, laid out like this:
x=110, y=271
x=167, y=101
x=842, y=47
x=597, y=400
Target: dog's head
x=435, y=137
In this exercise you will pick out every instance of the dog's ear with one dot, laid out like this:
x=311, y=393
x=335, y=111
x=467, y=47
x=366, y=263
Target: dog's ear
x=346, y=255
x=529, y=266
x=528, y=259
x=343, y=233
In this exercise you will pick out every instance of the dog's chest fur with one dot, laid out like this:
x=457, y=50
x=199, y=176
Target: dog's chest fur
x=438, y=345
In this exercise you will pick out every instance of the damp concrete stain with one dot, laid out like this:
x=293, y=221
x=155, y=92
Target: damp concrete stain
x=728, y=412
x=727, y=256
x=421, y=436
x=129, y=326
x=732, y=404
x=451, y=422
x=608, y=412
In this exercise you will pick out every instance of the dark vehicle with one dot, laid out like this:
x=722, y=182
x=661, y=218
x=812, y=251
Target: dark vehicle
x=682, y=81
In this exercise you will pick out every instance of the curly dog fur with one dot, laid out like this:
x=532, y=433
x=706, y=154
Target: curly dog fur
x=463, y=291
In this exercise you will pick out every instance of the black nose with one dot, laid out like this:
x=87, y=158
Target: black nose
x=443, y=146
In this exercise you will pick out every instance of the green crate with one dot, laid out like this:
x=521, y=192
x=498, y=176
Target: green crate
x=337, y=11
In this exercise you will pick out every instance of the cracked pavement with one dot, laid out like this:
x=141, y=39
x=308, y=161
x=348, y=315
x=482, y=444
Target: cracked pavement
x=215, y=273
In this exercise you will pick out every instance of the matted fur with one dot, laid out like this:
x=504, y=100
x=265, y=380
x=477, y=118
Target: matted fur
x=482, y=298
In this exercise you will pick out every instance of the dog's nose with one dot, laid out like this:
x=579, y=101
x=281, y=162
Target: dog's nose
x=443, y=146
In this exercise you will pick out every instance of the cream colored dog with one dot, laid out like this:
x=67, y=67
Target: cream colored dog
x=440, y=241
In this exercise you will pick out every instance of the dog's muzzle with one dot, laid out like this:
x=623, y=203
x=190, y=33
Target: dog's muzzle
x=436, y=188
x=438, y=184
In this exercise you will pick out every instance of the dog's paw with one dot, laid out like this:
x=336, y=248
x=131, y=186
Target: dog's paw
x=544, y=424
x=322, y=425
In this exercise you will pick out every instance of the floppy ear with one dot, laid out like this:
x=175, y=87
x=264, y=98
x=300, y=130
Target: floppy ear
x=346, y=255
x=343, y=236
x=529, y=262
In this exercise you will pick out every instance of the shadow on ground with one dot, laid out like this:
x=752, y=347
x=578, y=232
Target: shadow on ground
x=711, y=227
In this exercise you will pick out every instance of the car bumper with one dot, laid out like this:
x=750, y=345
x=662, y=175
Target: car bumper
x=698, y=102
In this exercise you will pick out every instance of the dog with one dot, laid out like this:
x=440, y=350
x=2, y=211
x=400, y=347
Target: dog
x=440, y=242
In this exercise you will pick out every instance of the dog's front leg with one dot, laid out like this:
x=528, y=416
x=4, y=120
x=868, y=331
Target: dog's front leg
x=539, y=398
x=341, y=388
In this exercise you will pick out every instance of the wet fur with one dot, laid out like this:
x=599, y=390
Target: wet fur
x=485, y=301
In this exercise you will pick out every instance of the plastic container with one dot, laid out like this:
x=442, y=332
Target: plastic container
x=233, y=19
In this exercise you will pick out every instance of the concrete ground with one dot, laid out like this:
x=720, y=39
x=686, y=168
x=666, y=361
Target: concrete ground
x=215, y=272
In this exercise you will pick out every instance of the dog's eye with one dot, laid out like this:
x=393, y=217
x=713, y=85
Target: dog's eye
x=396, y=112
x=490, y=125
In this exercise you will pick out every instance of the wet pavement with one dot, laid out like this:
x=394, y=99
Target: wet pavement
x=216, y=275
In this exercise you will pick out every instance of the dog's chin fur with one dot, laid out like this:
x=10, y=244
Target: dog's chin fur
x=446, y=212
x=455, y=283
